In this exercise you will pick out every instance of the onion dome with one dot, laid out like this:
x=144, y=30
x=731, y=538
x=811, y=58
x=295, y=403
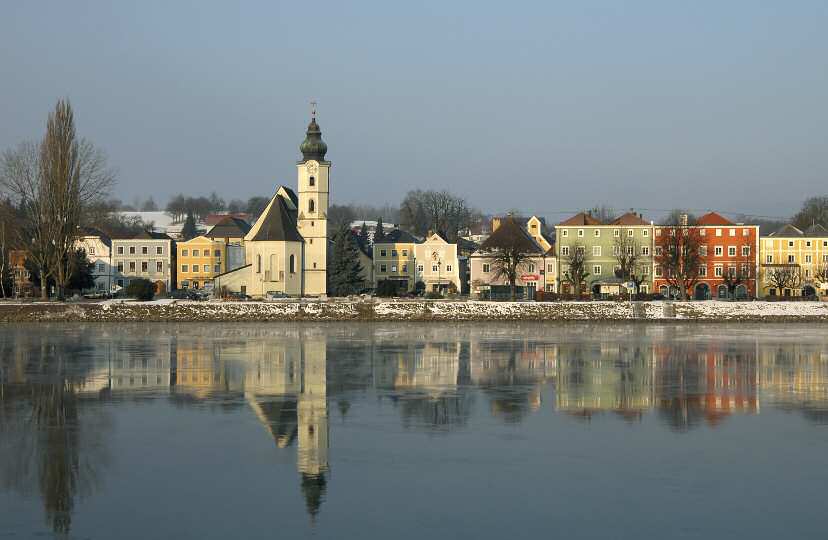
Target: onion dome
x=313, y=147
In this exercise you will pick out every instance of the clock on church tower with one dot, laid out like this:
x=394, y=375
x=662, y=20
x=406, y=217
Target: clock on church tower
x=313, y=174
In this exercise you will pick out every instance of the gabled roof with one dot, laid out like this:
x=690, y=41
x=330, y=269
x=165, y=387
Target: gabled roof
x=229, y=227
x=581, y=218
x=150, y=235
x=435, y=237
x=630, y=218
x=213, y=219
x=290, y=194
x=816, y=230
x=86, y=232
x=787, y=231
x=398, y=236
x=275, y=224
x=509, y=232
x=712, y=218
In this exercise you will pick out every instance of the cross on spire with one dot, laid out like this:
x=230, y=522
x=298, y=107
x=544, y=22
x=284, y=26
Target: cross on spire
x=313, y=108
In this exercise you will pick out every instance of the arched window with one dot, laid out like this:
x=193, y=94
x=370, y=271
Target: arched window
x=312, y=181
x=311, y=206
x=258, y=264
x=292, y=264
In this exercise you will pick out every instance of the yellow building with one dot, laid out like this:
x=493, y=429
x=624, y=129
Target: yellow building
x=795, y=262
x=394, y=260
x=199, y=260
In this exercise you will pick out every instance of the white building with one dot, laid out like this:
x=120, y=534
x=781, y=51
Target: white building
x=98, y=248
x=437, y=264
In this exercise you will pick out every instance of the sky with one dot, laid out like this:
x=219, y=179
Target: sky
x=545, y=107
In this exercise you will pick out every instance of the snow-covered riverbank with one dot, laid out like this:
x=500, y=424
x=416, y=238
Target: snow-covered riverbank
x=422, y=310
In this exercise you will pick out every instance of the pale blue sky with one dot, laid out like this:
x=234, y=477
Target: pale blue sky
x=545, y=106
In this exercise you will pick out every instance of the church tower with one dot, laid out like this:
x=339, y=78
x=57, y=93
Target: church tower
x=312, y=220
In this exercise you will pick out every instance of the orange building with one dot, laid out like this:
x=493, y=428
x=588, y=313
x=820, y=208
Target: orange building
x=725, y=249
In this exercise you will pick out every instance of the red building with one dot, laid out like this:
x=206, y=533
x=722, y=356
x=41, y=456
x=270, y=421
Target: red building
x=725, y=249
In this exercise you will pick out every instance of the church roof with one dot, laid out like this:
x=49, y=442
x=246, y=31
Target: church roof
x=229, y=227
x=313, y=147
x=275, y=224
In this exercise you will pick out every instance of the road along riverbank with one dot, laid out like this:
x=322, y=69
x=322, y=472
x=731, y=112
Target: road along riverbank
x=406, y=310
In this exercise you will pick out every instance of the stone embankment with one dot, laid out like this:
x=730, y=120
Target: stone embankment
x=421, y=310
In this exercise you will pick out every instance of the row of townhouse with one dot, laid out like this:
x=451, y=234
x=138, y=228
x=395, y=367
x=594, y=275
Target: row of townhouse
x=406, y=260
x=725, y=249
x=160, y=259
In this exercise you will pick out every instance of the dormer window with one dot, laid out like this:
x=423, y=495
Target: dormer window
x=312, y=181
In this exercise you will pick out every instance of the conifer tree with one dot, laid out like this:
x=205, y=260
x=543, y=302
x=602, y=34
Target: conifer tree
x=345, y=270
x=363, y=238
x=189, y=231
x=379, y=234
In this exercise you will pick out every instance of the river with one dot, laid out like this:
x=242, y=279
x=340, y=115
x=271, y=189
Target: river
x=359, y=430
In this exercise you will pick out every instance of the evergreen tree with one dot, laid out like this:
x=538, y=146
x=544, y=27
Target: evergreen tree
x=81, y=277
x=363, y=238
x=379, y=234
x=345, y=270
x=189, y=231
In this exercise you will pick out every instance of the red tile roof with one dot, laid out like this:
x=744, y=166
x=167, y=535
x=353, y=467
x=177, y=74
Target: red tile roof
x=712, y=218
x=581, y=218
x=630, y=218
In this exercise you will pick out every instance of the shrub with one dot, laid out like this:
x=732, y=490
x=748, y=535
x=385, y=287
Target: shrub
x=386, y=288
x=433, y=295
x=140, y=289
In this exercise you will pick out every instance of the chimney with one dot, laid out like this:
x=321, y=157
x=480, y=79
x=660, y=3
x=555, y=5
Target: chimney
x=683, y=220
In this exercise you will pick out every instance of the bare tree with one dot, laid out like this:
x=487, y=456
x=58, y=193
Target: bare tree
x=739, y=274
x=821, y=273
x=679, y=257
x=627, y=253
x=575, y=271
x=439, y=211
x=52, y=183
x=783, y=276
x=509, y=250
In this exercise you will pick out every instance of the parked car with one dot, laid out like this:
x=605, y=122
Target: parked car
x=238, y=296
x=273, y=295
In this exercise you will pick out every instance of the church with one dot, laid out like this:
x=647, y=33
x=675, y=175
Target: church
x=286, y=251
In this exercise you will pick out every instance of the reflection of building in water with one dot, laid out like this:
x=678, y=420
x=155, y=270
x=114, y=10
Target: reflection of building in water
x=795, y=376
x=705, y=381
x=595, y=377
x=512, y=373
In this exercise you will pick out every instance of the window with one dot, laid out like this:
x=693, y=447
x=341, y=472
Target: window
x=597, y=233
x=531, y=267
x=311, y=206
x=732, y=232
x=808, y=258
x=580, y=249
x=790, y=243
x=825, y=258
x=658, y=271
x=405, y=253
x=383, y=268
x=550, y=268
x=718, y=232
x=791, y=259
x=185, y=252
x=292, y=264
x=120, y=267
x=393, y=267
x=658, y=232
x=132, y=267
x=719, y=251
x=703, y=232
x=144, y=266
x=132, y=250
x=645, y=250
x=645, y=233
x=703, y=251
x=630, y=250
x=731, y=251
x=825, y=243
x=596, y=251
x=120, y=250
x=807, y=243
x=159, y=250
x=419, y=268
x=564, y=251
x=448, y=268
x=630, y=233
x=616, y=233
x=91, y=250
x=393, y=252
x=159, y=266
x=405, y=269
x=486, y=268
x=745, y=270
x=745, y=232
x=433, y=267
x=195, y=253
x=383, y=253
x=101, y=268
x=120, y=282
x=217, y=253
x=580, y=233
x=769, y=259
x=217, y=268
x=144, y=250
x=807, y=272
x=312, y=181
x=259, y=264
x=745, y=251
x=195, y=268
x=645, y=270
x=564, y=233
x=596, y=270
x=659, y=250
x=718, y=270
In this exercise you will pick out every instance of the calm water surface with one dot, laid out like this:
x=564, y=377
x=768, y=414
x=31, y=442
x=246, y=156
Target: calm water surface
x=414, y=431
